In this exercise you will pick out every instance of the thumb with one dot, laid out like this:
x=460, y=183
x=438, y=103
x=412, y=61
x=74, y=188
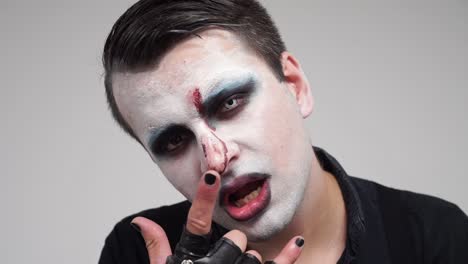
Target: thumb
x=155, y=238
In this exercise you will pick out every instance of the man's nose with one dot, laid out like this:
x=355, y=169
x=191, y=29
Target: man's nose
x=217, y=152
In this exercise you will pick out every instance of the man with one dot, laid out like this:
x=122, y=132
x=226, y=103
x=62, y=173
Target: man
x=209, y=90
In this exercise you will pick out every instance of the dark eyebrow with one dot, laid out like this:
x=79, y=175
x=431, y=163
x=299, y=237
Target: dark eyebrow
x=225, y=89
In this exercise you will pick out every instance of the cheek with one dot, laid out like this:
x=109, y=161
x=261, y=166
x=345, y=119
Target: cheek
x=281, y=127
x=182, y=174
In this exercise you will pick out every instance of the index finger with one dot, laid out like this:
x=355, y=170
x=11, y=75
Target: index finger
x=201, y=213
x=194, y=242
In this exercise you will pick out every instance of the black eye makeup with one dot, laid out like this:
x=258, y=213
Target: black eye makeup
x=170, y=141
x=223, y=102
x=232, y=105
x=229, y=97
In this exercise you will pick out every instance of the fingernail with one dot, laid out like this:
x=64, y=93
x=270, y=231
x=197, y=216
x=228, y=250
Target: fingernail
x=299, y=242
x=210, y=179
x=270, y=262
x=136, y=227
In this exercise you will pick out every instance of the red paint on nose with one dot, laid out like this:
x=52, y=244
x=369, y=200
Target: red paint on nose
x=204, y=150
x=197, y=100
x=225, y=150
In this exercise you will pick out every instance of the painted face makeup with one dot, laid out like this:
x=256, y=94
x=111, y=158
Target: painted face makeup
x=246, y=197
x=197, y=100
x=212, y=104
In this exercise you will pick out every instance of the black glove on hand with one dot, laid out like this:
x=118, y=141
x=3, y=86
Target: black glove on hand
x=196, y=249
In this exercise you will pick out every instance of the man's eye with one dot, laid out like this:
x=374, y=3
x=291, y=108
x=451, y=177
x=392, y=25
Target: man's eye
x=232, y=103
x=174, y=142
x=171, y=142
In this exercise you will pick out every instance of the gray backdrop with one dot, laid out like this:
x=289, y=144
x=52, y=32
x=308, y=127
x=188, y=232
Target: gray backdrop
x=389, y=77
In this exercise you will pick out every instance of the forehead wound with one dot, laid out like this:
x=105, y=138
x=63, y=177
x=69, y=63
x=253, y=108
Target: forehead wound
x=196, y=99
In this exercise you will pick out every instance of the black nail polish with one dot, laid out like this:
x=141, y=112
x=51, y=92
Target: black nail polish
x=136, y=227
x=299, y=242
x=270, y=262
x=210, y=179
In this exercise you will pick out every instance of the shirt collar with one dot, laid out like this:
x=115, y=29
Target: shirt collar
x=366, y=237
x=354, y=211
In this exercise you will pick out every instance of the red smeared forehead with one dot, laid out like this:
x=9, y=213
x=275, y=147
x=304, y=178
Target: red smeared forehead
x=197, y=100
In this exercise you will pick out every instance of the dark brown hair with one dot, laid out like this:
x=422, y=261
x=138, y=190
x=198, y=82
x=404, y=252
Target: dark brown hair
x=149, y=28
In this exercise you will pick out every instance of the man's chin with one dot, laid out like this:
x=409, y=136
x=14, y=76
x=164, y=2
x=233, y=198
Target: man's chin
x=262, y=228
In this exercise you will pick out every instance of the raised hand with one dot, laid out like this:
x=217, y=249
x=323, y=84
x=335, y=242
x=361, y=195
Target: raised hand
x=194, y=245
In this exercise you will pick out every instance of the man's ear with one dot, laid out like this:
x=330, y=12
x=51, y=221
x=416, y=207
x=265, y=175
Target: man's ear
x=297, y=83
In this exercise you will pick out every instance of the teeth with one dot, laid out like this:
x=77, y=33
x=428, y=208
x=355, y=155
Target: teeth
x=243, y=201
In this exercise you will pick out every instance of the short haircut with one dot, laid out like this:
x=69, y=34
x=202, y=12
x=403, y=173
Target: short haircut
x=149, y=28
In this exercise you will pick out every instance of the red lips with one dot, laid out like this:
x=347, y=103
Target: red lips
x=246, y=196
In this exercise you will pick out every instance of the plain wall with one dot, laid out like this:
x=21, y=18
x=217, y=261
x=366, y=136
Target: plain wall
x=389, y=78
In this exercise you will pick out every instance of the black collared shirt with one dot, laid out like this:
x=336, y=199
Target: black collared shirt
x=384, y=225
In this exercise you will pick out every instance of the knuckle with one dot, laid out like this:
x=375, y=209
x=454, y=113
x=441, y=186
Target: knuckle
x=150, y=244
x=197, y=225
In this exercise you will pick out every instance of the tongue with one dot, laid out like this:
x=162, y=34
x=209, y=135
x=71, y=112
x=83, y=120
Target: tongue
x=248, y=188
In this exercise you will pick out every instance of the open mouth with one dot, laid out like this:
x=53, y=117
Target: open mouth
x=246, y=194
x=246, y=197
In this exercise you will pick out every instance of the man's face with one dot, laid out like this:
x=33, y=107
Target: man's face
x=211, y=104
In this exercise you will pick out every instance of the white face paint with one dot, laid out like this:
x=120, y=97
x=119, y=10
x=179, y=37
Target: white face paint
x=253, y=124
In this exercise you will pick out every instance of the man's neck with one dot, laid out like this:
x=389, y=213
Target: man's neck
x=321, y=220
